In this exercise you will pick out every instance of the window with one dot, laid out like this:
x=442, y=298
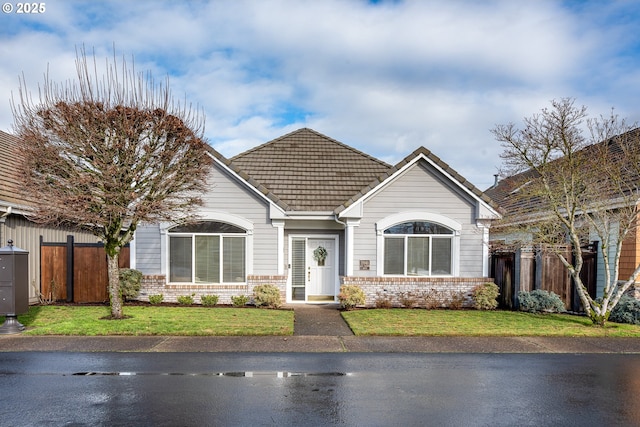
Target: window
x=207, y=252
x=418, y=248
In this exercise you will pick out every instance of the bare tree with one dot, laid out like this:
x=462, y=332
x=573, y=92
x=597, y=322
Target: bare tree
x=108, y=151
x=568, y=188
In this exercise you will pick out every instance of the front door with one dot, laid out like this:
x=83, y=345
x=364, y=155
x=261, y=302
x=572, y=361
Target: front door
x=313, y=269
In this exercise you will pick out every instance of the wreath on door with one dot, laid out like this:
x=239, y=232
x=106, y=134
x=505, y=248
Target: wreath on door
x=320, y=254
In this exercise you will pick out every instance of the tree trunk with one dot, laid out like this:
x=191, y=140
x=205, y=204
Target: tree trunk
x=599, y=319
x=115, y=294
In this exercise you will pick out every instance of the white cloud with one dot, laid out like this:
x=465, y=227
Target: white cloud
x=385, y=78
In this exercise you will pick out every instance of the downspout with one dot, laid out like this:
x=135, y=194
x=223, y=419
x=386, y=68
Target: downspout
x=3, y=219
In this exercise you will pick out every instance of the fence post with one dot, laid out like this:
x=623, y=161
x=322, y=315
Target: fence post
x=70, y=269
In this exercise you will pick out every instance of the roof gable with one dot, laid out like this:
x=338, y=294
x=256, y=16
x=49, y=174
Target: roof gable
x=308, y=171
x=422, y=153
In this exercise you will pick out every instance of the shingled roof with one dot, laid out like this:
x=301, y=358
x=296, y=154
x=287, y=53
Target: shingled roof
x=505, y=192
x=308, y=171
x=9, y=183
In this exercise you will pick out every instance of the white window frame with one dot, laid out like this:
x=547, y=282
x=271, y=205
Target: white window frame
x=222, y=236
x=403, y=217
x=207, y=215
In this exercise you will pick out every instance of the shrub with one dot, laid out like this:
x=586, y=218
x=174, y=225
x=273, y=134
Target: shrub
x=431, y=299
x=267, y=295
x=186, y=299
x=626, y=311
x=351, y=296
x=540, y=301
x=239, y=300
x=455, y=300
x=408, y=299
x=485, y=296
x=383, y=300
x=209, y=300
x=156, y=299
x=130, y=283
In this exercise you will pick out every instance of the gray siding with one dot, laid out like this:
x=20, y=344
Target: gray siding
x=230, y=196
x=420, y=189
x=226, y=195
x=147, y=247
x=26, y=235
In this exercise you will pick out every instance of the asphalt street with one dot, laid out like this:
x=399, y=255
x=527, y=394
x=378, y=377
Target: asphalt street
x=359, y=389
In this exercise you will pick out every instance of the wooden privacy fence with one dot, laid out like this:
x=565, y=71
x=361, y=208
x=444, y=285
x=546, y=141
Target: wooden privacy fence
x=526, y=270
x=76, y=272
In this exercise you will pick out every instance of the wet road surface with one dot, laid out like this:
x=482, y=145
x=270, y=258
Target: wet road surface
x=359, y=389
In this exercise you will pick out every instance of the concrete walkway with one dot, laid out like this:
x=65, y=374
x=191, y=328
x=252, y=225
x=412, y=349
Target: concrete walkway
x=319, y=320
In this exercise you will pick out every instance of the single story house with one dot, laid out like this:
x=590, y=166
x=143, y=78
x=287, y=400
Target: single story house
x=15, y=224
x=308, y=213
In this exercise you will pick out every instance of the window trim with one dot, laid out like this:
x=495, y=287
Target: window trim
x=403, y=217
x=221, y=273
x=210, y=215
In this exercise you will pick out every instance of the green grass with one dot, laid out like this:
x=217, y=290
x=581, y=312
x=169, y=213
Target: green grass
x=155, y=320
x=404, y=322
x=227, y=321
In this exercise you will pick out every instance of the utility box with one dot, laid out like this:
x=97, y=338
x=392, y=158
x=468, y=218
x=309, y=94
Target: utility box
x=14, y=285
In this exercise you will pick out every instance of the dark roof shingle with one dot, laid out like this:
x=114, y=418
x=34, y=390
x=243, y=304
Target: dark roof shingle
x=309, y=171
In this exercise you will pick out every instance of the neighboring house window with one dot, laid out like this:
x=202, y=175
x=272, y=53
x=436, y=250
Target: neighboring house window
x=418, y=248
x=207, y=252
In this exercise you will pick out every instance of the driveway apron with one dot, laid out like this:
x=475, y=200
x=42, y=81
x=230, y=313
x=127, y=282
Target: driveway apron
x=319, y=319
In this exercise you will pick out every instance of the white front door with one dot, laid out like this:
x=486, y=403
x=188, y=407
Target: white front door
x=321, y=266
x=313, y=268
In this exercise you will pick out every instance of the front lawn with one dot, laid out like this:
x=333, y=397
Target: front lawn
x=406, y=322
x=156, y=320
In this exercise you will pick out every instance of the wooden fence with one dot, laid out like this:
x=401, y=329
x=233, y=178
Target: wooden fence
x=76, y=272
x=525, y=270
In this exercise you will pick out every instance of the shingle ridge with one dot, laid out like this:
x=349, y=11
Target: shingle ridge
x=316, y=133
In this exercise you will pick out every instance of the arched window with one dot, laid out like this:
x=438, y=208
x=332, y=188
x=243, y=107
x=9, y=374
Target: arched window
x=207, y=252
x=418, y=248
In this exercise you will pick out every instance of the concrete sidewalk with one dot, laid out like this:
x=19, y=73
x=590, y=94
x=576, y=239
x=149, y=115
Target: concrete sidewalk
x=317, y=344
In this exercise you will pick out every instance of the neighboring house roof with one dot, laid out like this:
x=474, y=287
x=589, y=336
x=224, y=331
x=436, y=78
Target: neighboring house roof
x=504, y=193
x=9, y=182
x=309, y=171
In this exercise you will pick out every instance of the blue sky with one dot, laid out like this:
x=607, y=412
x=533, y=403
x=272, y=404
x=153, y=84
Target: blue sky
x=385, y=77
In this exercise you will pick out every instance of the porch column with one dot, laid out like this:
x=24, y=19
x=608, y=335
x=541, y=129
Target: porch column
x=348, y=237
x=484, y=228
x=279, y=225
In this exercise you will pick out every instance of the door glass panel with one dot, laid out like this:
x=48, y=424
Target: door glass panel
x=298, y=273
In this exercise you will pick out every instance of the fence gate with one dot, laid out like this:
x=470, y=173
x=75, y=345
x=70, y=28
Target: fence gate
x=528, y=270
x=76, y=272
x=502, y=270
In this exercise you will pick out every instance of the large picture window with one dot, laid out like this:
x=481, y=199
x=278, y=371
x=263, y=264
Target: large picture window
x=418, y=248
x=207, y=252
